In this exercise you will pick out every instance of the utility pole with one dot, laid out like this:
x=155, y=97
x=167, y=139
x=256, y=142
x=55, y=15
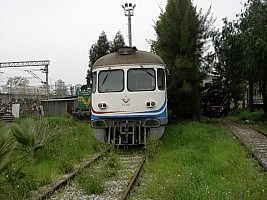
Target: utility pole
x=46, y=80
x=129, y=12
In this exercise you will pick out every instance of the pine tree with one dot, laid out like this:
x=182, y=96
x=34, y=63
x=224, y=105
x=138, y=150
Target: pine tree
x=96, y=51
x=117, y=42
x=101, y=48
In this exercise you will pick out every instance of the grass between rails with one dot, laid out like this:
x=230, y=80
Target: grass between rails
x=201, y=161
x=71, y=143
x=92, y=179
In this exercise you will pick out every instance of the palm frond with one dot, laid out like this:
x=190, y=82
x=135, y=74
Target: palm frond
x=7, y=146
x=33, y=135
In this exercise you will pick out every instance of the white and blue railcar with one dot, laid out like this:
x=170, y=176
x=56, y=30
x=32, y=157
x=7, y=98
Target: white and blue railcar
x=129, y=97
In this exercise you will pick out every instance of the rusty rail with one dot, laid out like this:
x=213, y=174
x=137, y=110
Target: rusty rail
x=64, y=181
x=133, y=180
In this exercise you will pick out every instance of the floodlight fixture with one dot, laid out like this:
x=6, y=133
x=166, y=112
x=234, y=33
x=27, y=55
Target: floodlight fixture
x=128, y=12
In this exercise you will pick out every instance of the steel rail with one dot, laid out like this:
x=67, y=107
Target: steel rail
x=254, y=152
x=70, y=176
x=133, y=179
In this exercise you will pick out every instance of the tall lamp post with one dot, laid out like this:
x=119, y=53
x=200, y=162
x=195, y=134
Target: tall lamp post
x=129, y=12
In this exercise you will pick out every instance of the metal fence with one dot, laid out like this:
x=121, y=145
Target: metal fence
x=28, y=90
x=53, y=90
x=29, y=97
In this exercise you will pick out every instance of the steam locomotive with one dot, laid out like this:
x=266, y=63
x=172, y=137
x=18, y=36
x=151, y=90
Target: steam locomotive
x=216, y=100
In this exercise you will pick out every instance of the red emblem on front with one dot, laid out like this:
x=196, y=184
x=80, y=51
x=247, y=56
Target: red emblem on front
x=126, y=100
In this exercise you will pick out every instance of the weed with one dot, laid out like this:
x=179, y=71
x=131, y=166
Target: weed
x=54, y=145
x=256, y=116
x=111, y=163
x=91, y=184
x=200, y=161
x=152, y=147
x=111, y=160
x=65, y=166
x=19, y=184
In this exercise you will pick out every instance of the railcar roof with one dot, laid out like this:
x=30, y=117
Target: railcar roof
x=137, y=57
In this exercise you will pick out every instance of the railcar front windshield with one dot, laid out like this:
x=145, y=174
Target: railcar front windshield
x=110, y=81
x=141, y=80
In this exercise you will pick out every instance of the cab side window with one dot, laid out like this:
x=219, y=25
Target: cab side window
x=94, y=82
x=161, y=79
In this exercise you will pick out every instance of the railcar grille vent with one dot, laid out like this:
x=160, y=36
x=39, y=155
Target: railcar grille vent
x=126, y=132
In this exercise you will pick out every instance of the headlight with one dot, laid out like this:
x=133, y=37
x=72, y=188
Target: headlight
x=151, y=123
x=150, y=104
x=102, y=105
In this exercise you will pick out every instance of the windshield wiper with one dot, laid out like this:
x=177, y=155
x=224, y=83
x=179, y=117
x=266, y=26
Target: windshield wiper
x=147, y=72
x=106, y=78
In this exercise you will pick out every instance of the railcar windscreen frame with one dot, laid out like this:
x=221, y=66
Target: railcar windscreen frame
x=143, y=79
x=111, y=81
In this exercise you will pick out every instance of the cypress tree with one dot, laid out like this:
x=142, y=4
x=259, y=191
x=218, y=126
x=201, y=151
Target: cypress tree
x=181, y=33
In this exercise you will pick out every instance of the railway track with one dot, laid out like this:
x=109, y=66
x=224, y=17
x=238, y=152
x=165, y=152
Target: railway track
x=251, y=138
x=118, y=173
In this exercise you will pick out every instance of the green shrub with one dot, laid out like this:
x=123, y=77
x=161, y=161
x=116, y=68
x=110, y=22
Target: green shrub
x=240, y=115
x=55, y=144
x=33, y=135
x=7, y=150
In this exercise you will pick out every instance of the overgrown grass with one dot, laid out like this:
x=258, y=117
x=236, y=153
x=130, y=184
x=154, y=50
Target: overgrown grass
x=92, y=179
x=91, y=182
x=254, y=119
x=240, y=115
x=201, y=161
x=73, y=143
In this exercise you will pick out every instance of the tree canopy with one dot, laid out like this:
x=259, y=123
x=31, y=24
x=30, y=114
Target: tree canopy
x=181, y=35
x=117, y=42
x=241, y=51
x=17, y=81
x=253, y=26
x=101, y=48
x=229, y=66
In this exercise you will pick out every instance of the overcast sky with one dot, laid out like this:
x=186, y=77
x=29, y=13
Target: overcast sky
x=63, y=31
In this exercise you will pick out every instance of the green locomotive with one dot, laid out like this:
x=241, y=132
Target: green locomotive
x=82, y=105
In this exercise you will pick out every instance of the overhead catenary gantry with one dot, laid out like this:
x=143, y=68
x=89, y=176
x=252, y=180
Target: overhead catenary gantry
x=35, y=76
x=27, y=64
